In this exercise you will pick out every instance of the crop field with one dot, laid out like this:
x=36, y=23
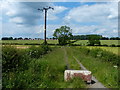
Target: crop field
x=28, y=41
x=103, y=42
x=114, y=50
x=43, y=67
x=81, y=42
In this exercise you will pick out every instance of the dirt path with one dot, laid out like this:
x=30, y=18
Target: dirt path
x=95, y=83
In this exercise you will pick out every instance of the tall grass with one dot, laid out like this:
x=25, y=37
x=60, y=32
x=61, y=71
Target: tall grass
x=16, y=63
x=46, y=71
x=73, y=64
x=98, y=63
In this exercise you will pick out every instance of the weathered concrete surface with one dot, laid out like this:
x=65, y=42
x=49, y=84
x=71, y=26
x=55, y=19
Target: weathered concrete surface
x=83, y=74
x=96, y=84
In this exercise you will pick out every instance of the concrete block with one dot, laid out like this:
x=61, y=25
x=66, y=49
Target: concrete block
x=83, y=74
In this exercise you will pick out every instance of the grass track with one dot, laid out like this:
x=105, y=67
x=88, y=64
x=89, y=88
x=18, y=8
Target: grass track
x=48, y=71
x=53, y=74
x=103, y=71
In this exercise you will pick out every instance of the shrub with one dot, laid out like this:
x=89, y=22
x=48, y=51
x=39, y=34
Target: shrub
x=105, y=45
x=13, y=59
x=102, y=55
x=118, y=45
x=113, y=45
x=37, y=52
x=95, y=53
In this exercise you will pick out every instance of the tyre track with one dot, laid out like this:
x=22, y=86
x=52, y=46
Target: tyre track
x=95, y=83
x=66, y=59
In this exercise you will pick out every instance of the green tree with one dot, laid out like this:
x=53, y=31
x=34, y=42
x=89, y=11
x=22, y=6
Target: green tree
x=63, y=34
x=94, y=39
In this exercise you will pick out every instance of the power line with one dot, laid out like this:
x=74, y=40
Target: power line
x=45, y=9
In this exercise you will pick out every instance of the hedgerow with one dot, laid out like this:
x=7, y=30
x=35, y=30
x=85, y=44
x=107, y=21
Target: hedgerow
x=102, y=55
x=20, y=67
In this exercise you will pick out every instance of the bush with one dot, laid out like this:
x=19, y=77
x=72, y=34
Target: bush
x=37, y=52
x=95, y=53
x=13, y=59
x=22, y=71
x=113, y=45
x=102, y=55
x=118, y=45
x=105, y=45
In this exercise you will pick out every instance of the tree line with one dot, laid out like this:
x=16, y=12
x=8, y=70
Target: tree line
x=64, y=37
x=86, y=37
x=73, y=37
x=20, y=38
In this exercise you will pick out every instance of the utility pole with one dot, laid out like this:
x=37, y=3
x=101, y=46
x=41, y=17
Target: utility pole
x=45, y=9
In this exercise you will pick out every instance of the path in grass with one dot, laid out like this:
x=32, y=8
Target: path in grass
x=66, y=60
x=53, y=67
x=95, y=83
x=103, y=71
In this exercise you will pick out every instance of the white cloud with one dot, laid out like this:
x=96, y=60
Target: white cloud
x=57, y=9
x=103, y=19
x=16, y=20
x=104, y=14
x=93, y=13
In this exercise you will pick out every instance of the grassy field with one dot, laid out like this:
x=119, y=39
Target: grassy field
x=28, y=41
x=81, y=42
x=107, y=42
x=48, y=70
x=114, y=50
x=45, y=72
x=103, y=71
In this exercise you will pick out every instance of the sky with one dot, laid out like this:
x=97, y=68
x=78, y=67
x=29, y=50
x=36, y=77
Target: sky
x=22, y=19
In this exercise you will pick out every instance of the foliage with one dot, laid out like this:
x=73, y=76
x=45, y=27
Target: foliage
x=7, y=38
x=45, y=72
x=103, y=70
x=94, y=40
x=37, y=52
x=63, y=34
x=20, y=68
x=101, y=54
x=13, y=59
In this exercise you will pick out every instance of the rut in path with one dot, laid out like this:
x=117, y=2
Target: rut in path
x=95, y=83
x=66, y=59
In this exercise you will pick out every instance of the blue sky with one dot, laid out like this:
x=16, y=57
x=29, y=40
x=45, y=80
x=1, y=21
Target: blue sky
x=22, y=19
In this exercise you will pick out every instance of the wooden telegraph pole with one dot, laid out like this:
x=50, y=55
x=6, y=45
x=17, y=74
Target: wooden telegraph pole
x=45, y=9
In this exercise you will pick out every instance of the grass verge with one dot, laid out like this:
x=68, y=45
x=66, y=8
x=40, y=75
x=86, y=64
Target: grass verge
x=105, y=72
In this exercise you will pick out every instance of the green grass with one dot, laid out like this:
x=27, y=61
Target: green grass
x=82, y=42
x=73, y=64
x=114, y=50
x=57, y=68
x=107, y=42
x=45, y=72
x=28, y=41
x=48, y=70
x=103, y=71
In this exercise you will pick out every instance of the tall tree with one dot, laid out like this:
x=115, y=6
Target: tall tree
x=94, y=39
x=63, y=34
